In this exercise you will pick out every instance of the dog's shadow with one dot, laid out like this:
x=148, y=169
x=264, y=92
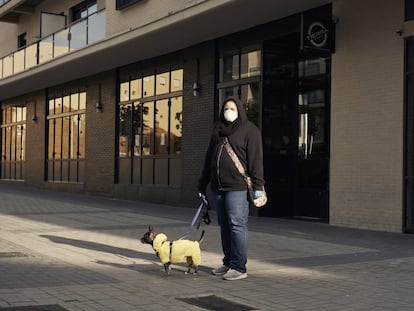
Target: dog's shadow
x=177, y=270
x=148, y=258
x=100, y=247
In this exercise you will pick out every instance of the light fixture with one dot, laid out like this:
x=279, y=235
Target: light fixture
x=196, y=85
x=98, y=107
x=196, y=89
x=34, y=116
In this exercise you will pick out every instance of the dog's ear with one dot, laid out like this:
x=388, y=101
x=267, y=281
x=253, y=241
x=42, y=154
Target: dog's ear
x=150, y=229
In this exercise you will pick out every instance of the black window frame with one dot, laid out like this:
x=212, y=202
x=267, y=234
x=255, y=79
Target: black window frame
x=122, y=4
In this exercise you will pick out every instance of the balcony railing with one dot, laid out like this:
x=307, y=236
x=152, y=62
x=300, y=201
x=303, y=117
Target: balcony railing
x=72, y=38
x=2, y=2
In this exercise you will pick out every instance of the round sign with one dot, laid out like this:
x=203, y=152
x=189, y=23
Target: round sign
x=317, y=34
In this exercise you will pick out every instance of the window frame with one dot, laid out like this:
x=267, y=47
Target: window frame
x=133, y=165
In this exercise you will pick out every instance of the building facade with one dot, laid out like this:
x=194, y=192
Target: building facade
x=118, y=98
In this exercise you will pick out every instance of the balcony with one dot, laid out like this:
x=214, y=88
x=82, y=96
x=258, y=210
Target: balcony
x=2, y=2
x=74, y=37
x=11, y=10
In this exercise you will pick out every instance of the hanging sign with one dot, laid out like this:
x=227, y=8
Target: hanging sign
x=317, y=34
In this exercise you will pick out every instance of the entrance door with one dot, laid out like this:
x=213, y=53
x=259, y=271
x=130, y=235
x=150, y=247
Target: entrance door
x=295, y=130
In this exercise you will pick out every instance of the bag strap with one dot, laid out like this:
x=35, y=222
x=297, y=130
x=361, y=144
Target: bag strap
x=234, y=157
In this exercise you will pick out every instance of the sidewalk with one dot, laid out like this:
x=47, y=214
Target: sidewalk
x=74, y=252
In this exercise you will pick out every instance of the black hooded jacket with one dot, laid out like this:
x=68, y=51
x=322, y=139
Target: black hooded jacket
x=245, y=139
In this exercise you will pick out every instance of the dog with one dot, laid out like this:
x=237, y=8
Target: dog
x=174, y=252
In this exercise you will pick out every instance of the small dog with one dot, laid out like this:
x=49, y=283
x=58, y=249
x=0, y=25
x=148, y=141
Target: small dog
x=175, y=251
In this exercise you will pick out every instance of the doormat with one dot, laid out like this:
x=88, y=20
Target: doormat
x=215, y=303
x=35, y=308
x=12, y=254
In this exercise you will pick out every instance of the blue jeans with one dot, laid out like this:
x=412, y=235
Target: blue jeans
x=233, y=214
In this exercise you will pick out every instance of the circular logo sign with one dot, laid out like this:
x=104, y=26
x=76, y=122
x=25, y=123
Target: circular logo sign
x=317, y=34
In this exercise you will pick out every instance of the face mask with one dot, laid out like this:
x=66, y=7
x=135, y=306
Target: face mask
x=230, y=115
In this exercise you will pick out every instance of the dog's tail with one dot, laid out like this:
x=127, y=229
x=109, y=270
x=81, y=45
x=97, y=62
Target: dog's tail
x=202, y=236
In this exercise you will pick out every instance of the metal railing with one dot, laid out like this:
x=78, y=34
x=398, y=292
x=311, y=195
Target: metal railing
x=75, y=36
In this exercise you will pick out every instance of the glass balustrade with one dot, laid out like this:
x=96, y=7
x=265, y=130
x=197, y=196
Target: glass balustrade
x=72, y=38
x=2, y=2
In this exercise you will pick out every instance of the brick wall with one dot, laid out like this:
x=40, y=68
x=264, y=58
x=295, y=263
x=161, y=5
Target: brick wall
x=198, y=117
x=367, y=116
x=100, y=134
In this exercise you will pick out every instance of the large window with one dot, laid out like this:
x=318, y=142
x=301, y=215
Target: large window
x=83, y=10
x=239, y=75
x=150, y=128
x=13, y=142
x=66, y=137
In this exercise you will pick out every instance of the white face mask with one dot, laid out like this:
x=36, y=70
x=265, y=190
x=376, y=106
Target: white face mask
x=230, y=115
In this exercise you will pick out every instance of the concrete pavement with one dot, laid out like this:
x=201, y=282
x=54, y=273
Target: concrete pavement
x=61, y=251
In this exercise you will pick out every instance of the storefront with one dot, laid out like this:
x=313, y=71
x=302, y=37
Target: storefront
x=285, y=87
x=329, y=89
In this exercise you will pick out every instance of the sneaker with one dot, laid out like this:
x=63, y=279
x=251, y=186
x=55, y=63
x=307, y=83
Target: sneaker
x=233, y=275
x=221, y=270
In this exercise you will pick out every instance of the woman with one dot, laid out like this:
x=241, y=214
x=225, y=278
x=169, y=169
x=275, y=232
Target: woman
x=229, y=189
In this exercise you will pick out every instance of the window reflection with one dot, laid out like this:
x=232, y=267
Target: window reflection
x=311, y=138
x=46, y=49
x=124, y=92
x=125, y=126
x=13, y=138
x=61, y=43
x=163, y=83
x=77, y=36
x=176, y=124
x=177, y=80
x=250, y=98
x=229, y=66
x=149, y=85
x=150, y=122
x=18, y=61
x=250, y=64
x=7, y=66
x=31, y=56
x=96, y=27
x=136, y=89
x=66, y=139
x=148, y=128
x=236, y=66
x=161, y=125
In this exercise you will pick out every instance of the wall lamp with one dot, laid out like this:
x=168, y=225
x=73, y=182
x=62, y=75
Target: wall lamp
x=34, y=116
x=196, y=89
x=196, y=85
x=98, y=106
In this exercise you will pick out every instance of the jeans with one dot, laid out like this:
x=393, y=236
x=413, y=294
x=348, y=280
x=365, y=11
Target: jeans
x=233, y=214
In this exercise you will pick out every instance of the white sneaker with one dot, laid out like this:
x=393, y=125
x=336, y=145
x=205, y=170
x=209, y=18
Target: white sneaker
x=220, y=270
x=233, y=275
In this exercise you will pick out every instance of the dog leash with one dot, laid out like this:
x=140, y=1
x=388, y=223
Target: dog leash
x=205, y=218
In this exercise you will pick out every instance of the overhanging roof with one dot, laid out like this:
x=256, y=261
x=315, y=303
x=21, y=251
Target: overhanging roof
x=208, y=20
x=11, y=11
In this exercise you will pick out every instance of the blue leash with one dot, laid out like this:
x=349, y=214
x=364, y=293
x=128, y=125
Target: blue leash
x=205, y=218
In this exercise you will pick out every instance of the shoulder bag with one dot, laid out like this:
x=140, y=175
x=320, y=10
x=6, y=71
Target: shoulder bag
x=259, y=202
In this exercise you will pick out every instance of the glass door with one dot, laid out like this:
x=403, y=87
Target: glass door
x=295, y=130
x=279, y=127
x=313, y=138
